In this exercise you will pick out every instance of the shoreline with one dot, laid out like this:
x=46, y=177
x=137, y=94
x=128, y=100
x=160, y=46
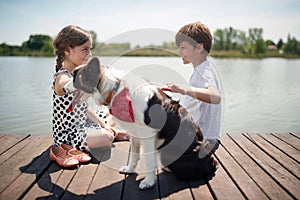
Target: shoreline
x=154, y=52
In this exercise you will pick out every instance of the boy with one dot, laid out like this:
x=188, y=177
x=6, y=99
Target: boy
x=203, y=98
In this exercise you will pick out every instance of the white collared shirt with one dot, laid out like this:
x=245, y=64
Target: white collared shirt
x=206, y=116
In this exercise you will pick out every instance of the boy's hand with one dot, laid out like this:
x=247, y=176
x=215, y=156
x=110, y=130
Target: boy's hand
x=176, y=89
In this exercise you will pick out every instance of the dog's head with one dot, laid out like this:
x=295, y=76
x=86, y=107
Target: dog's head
x=87, y=76
x=96, y=80
x=85, y=81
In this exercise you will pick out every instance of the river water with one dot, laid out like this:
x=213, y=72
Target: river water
x=259, y=95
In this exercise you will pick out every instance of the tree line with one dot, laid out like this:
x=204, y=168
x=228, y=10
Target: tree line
x=251, y=43
x=228, y=42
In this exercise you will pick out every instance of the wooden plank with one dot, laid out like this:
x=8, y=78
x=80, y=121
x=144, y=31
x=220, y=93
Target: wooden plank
x=286, y=148
x=2, y=135
x=267, y=143
x=115, y=157
x=26, y=180
x=282, y=177
x=9, y=153
x=132, y=181
x=21, y=162
x=132, y=191
x=23, y=183
x=245, y=183
x=108, y=182
x=223, y=187
x=296, y=135
x=79, y=186
x=265, y=182
x=44, y=186
x=24, y=153
x=7, y=166
x=62, y=183
x=9, y=140
x=200, y=189
x=289, y=138
x=257, y=166
x=171, y=187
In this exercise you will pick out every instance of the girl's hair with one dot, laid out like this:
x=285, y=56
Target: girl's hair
x=70, y=36
x=195, y=33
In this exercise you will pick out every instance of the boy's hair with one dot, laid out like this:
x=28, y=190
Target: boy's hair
x=195, y=33
x=70, y=36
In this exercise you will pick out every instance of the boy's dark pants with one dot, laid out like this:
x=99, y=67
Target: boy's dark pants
x=193, y=165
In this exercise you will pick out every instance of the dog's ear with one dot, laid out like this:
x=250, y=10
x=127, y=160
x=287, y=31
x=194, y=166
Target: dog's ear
x=86, y=77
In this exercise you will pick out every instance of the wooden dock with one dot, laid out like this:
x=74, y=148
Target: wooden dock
x=252, y=166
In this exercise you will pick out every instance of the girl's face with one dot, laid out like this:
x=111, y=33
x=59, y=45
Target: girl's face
x=188, y=53
x=79, y=54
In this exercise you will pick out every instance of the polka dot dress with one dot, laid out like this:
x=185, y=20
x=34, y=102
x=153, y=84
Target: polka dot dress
x=71, y=126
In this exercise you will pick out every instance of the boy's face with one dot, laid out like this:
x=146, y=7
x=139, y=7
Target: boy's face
x=188, y=52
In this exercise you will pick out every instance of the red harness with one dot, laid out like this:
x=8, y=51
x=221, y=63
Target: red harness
x=121, y=107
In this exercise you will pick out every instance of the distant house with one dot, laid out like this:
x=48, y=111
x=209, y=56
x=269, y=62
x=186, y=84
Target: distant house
x=272, y=47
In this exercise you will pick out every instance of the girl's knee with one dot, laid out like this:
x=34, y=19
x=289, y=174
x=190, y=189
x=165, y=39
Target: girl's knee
x=100, y=138
x=110, y=136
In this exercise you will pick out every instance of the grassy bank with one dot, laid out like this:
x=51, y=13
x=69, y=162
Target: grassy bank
x=165, y=53
x=174, y=53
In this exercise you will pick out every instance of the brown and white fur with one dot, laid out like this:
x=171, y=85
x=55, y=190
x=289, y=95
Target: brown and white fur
x=156, y=118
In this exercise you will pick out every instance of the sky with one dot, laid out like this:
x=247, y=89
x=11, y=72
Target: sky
x=145, y=22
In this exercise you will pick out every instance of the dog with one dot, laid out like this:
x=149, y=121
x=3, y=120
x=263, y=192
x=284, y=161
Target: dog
x=154, y=121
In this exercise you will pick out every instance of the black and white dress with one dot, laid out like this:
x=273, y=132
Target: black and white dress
x=71, y=126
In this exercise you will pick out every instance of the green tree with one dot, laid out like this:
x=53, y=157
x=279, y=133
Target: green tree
x=37, y=42
x=219, y=40
x=241, y=39
x=230, y=38
x=9, y=50
x=255, y=34
x=292, y=46
x=255, y=44
x=259, y=47
x=279, y=44
x=168, y=45
x=94, y=37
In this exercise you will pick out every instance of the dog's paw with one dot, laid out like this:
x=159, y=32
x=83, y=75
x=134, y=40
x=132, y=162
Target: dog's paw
x=147, y=183
x=125, y=170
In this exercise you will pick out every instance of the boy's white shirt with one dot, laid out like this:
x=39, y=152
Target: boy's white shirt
x=206, y=116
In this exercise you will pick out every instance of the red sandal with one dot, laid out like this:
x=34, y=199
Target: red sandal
x=61, y=157
x=78, y=155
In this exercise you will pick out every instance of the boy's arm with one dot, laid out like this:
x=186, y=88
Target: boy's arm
x=208, y=95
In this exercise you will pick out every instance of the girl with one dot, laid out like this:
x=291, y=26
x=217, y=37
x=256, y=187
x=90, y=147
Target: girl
x=78, y=129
